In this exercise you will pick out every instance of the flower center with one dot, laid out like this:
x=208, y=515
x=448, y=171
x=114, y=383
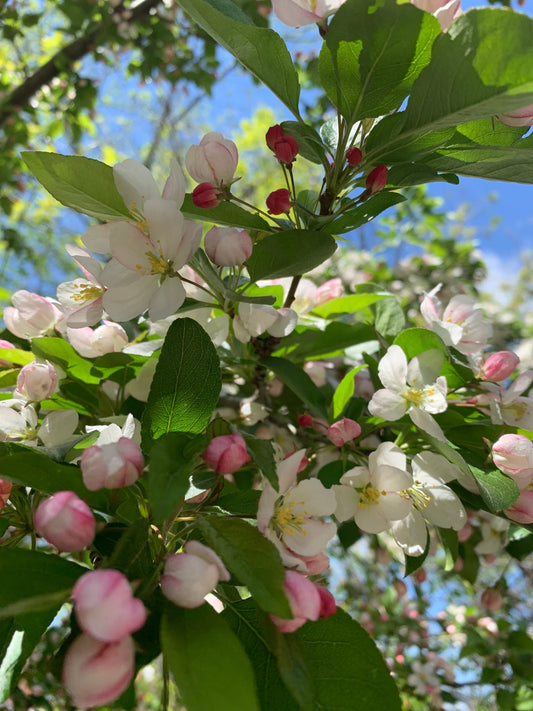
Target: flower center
x=138, y=216
x=285, y=520
x=86, y=292
x=418, y=496
x=369, y=495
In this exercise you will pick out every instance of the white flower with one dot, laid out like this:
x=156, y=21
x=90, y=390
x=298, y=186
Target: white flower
x=131, y=428
x=82, y=299
x=254, y=319
x=510, y=407
x=288, y=517
x=415, y=388
x=494, y=534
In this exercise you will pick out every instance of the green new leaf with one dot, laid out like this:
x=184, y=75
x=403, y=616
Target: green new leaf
x=262, y=454
x=363, y=214
x=347, y=304
x=389, y=319
x=497, y=490
x=373, y=54
x=207, y=661
x=16, y=356
x=251, y=557
x=186, y=383
x=260, y=50
x=520, y=548
x=84, y=184
x=299, y=382
x=414, y=341
x=310, y=145
x=226, y=213
x=343, y=393
x=289, y=253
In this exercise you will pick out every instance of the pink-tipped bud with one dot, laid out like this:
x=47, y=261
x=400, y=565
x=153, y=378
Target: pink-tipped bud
x=286, y=150
x=522, y=509
x=105, y=606
x=273, y=135
x=343, y=431
x=188, y=577
x=214, y=160
x=305, y=421
x=205, y=195
x=65, y=521
x=328, y=606
x=31, y=315
x=96, y=673
x=227, y=246
x=36, y=381
x=513, y=455
x=330, y=289
x=7, y=345
x=279, y=201
x=499, y=366
x=307, y=601
x=112, y=465
x=354, y=156
x=518, y=117
x=491, y=599
x=5, y=491
x=377, y=179
x=226, y=454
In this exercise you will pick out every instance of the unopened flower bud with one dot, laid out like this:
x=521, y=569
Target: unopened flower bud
x=205, y=195
x=279, y=201
x=305, y=421
x=213, y=161
x=354, y=156
x=513, y=455
x=226, y=454
x=105, y=606
x=65, y=521
x=518, y=117
x=112, y=465
x=307, y=601
x=377, y=179
x=5, y=491
x=273, y=135
x=95, y=673
x=31, y=315
x=188, y=577
x=343, y=431
x=286, y=150
x=36, y=381
x=6, y=345
x=499, y=366
x=522, y=509
x=227, y=246
x=491, y=599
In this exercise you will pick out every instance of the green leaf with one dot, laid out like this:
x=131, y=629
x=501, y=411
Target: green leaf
x=170, y=467
x=450, y=543
x=520, y=548
x=308, y=343
x=127, y=548
x=16, y=356
x=372, y=55
x=251, y=557
x=337, y=666
x=84, y=184
x=226, y=213
x=347, y=304
x=186, y=383
x=207, y=661
x=414, y=562
x=260, y=50
x=309, y=142
x=299, y=382
x=58, y=351
x=363, y=214
x=497, y=490
x=344, y=392
x=389, y=319
x=289, y=253
x=262, y=454
x=414, y=341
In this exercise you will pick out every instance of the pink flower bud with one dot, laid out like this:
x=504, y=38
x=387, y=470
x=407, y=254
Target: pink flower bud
x=499, y=366
x=491, y=599
x=65, y=521
x=228, y=247
x=331, y=289
x=286, y=149
x=377, y=179
x=31, y=315
x=205, y=195
x=110, y=337
x=188, y=577
x=226, y=454
x=518, y=117
x=105, y=606
x=95, y=673
x=513, y=455
x=273, y=135
x=296, y=13
x=522, y=509
x=5, y=344
x=36, y=381
x=213, y=161
x=343, y=431
x=328, y=606
x=354, y=156
x=111, y=466
x=5, y=491
x=307, y=601
x=305, y=421
x=279, y=201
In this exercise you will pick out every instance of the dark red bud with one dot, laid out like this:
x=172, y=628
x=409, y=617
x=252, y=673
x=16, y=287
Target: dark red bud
x=273, y=135
x=279, y=201
x=205, y=195
x=354, y=156
x=305, y=421
x=377, y=179
x=286, y=149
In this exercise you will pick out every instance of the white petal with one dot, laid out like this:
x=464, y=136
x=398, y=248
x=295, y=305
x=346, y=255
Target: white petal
x=387, y=404
x=175, y=186
x=392, y=369
x=390, y=454
x=425, y=422
x=435, y=466
x=167, y=299
x=317, y=500
x=411, y=533
x=165, y=222
x=312, y=540
x=135, y=183
x=347, y=499
x=425, y=368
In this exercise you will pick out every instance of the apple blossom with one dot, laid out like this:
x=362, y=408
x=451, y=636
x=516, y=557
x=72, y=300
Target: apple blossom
x=31, y=315
x=513, y=455
x=82, y=299
x=110, y=337
x=331, y=289
x=279, y=201
x=296, y=13
x=65, y=521
x=136, y=185
x=493, y=534
x=226, y=454
x=288, y=517
x=118, y=427
x=188, y=577
x=227, y=247
x=343, y=431
x=95, y=673
x=517, y=117
x=36, y=381
x=205, y=195
x=105, y=606
x=111, y=465
x=414, y=388
x=213, y=161
x=307, y=600
x=522, y=509
x=509, y=406
x=460, y=325
x=5, y=491
x=18, y=421
x=254, y=319
x=444, y=10
x=499, y=366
